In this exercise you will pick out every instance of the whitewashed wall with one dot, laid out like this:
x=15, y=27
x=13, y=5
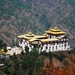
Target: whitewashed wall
x=50, y=47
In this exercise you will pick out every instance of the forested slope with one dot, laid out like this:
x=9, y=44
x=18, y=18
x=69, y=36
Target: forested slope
x=20, y=16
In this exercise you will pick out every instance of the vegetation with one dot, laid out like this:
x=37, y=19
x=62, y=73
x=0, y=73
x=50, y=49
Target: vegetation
x=50, y=57
x=22, y=53
x=72, y=2
x=60, y=56
x=50, y=70
x=44, y=20
x=21, y=16
x=3, y=46
x=2, y=73
x=27, y=49
x=33, y=63
x=13, y=13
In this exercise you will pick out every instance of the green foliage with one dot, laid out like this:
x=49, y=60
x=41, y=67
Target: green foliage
x=16, y=63
x=30, y=71
x=11, y=8
x=3, y=45
x=60, y=56
x=68, y=21
x=15, y=43
x=9, y=65
x=50, y=57
x=4, y=9
x=16, y=72
x=30, y=59
x=19, y=4
x=72, y=2
x=72, y=51
x=44, y=53
x=44, y=20
x=5, y=48
x=27, y=49
x=34, y=53
x=13, y=11
x=22, y=53
x=16, y=2
x=2, y=73
x=26, y=63
x=8, y=68
x=14, y=56
x=2, y=24
x=65, y=62
x=7, y=34
x=40, y=63
x=10, y=71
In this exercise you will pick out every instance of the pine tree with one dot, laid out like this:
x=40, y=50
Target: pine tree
x=14, y=55
x=22, y=53
x=1, y=44
x=50, y=57
x=5, y=48
x=27, y=49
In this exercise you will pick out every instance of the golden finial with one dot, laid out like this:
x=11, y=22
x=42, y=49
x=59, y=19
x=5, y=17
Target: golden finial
x=30, y=33
x=55, y=28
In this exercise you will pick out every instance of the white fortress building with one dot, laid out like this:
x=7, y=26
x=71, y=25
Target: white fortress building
x=53, y=40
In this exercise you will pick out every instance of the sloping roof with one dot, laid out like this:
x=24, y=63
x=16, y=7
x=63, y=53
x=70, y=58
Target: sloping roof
x=55, y=31
x=40, y=36
x=33, y=39
x=29, y=34
x=45, y=34
x=62, y=37
x=7, y=53
x=21, y=36
x=48, y=40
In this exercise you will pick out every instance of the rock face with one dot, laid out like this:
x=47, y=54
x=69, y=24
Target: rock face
x=21, y=16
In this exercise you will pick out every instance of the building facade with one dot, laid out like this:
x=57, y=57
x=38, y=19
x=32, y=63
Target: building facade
x=53, y=40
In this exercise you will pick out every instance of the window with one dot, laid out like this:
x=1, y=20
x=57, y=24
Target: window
x=46, y=47
x=49, y=48
x=41, y=48
x=62, y=45
x=42, y=44
x=56, y=47
x=52, y=48
x=65, y=45
x=62, y=42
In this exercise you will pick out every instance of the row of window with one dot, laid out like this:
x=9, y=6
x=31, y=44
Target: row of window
x=61, y=46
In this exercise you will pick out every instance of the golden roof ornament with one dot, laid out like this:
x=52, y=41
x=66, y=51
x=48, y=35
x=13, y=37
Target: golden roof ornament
x=55, y=31
x=30, y=34
x=55, y=28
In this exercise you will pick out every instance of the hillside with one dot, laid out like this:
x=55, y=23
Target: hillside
x=32, y=63
x=20, y=16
